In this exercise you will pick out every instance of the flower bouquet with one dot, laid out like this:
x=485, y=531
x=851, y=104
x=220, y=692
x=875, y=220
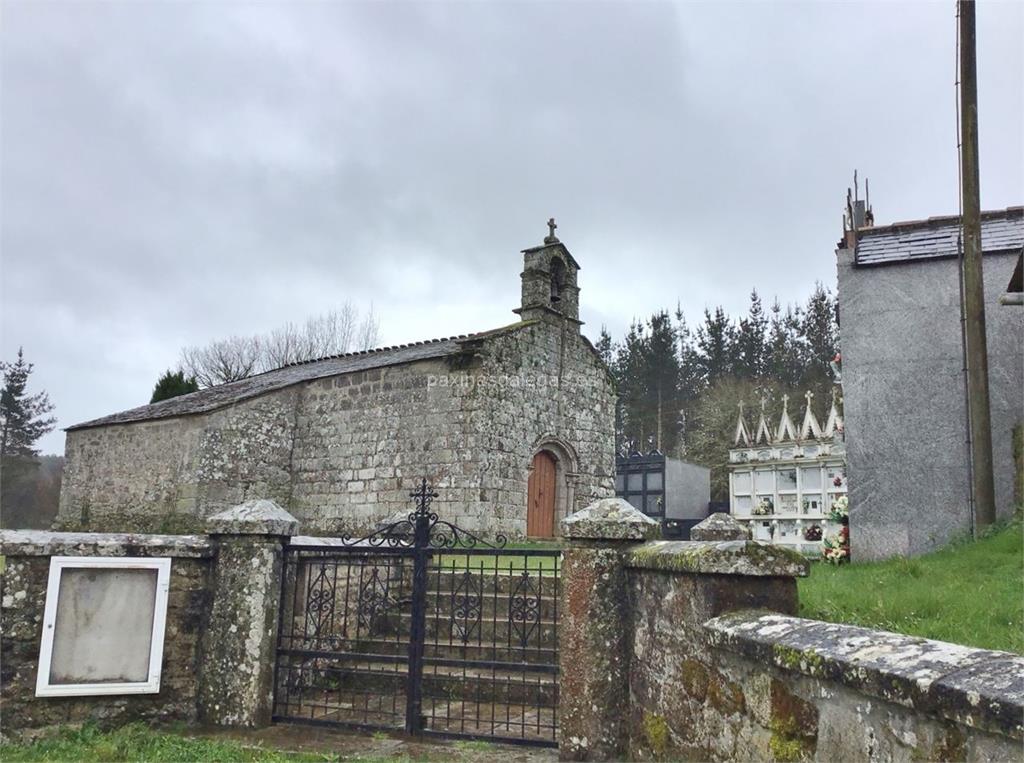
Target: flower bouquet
x=840, y=510
x=813, y=533
x=764, y=507
x=836, y=549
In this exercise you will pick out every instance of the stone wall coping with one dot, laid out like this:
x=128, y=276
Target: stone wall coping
x=609, y=519
x=719, y=526
x=257, y=517
x=721, y=557
x=44, y=543
x=975, y=687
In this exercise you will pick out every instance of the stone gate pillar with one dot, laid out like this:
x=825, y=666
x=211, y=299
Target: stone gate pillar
x=594, y=629
x=238, y=649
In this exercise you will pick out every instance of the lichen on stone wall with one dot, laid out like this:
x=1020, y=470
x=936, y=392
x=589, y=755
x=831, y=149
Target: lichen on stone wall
x=656, y=733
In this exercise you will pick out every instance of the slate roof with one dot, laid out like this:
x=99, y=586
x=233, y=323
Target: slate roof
x=1001, y=231
x=223, y=395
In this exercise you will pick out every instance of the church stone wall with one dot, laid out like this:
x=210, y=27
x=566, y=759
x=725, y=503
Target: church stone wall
x=364, y=440
x=563, y=396
x=165, y=475
x=111, y=471
x=343, y=453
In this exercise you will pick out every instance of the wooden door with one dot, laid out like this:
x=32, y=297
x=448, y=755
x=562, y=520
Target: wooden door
x=540, y=511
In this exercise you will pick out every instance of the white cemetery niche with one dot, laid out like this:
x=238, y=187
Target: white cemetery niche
x=103, y=626
x=795, y=473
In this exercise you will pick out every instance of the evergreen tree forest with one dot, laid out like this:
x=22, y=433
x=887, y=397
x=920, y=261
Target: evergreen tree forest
x=680, y=385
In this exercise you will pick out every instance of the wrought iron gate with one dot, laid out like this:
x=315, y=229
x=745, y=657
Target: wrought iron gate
x=424, y=627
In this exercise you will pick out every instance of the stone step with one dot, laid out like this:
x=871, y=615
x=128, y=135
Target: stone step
x=491, y=603
x=441, y=649
x=484, y=719
x=323, y=678
x=494, y=627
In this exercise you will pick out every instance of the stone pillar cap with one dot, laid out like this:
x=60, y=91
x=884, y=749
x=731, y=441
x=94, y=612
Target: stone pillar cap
x=719, y=526
x=256, y=517
x=609, y=519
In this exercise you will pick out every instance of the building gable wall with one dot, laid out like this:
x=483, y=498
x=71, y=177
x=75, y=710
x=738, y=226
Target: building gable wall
x=903, y=390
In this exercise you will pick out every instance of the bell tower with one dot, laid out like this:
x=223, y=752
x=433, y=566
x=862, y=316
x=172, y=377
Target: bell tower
x=550, y=290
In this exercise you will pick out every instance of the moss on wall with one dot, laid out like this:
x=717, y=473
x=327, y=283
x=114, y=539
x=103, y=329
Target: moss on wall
x=656, y=734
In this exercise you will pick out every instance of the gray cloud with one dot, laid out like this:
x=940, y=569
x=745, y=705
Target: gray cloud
x=176, y=172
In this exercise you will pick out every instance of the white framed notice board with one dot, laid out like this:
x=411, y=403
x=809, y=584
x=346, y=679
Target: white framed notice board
x=103, y=626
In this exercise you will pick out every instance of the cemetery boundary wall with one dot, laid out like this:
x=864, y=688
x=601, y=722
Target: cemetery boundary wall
x=222, y=609
x=669, y=649
x=27, y=556
x=690, y=650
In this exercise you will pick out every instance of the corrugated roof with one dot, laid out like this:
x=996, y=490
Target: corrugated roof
x=1001, y=230
x=223, y=395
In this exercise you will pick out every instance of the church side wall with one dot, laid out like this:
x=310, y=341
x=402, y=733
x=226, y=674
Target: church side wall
x=129, y=477
x=364, y=440
x=166, y=475
x=904, y=403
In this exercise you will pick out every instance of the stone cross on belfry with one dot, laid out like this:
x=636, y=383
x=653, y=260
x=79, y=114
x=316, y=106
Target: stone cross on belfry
x=551, y=238
x=785, y=401
x=809, y=395
x=764, y=403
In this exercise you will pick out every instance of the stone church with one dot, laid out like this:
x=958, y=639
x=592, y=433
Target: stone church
x=513, y=426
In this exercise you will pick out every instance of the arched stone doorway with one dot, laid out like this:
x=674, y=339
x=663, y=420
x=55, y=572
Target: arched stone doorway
x=551, y=487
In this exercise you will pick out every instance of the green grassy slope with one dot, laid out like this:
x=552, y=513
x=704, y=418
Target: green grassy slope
x=136, y=742
x=967, y=593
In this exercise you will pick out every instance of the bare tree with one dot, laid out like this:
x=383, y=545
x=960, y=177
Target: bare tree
x=222, y=361
x=369, y=331
x=332, y=333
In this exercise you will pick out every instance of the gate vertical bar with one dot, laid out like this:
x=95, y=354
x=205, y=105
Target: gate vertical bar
x=418, y=623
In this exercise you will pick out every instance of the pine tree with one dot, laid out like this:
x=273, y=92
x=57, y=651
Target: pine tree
x=629, y=371
x=716, y=347
x=23, y=417
x=820, y=333
x=750, y=341
x=691, y=385
x=23, y=420
x=605, y=347
x=172, y=385
x=784, y=351
x=661, y=374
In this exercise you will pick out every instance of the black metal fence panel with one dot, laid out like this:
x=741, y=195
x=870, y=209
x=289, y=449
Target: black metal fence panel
x=421, y=627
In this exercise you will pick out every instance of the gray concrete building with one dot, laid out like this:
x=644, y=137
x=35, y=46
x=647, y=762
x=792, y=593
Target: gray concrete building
x=903, y=379
x=497, y=420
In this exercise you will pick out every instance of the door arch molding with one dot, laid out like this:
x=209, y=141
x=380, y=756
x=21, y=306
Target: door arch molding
x=566, y=476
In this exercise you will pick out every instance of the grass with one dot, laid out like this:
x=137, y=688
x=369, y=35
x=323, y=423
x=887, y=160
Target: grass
x=509, y=563
x=137, y=742
x=971, y=592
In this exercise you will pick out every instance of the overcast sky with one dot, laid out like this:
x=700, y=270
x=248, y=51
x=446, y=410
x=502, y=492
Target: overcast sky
x=176, y=172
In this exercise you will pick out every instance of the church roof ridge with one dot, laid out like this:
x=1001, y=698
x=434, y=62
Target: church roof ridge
x=229, y=393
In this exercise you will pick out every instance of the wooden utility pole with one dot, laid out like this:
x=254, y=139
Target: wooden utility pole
x=976, y=351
